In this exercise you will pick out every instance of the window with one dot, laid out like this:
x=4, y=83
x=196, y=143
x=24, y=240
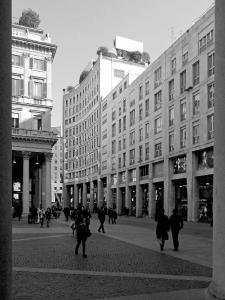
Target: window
x=132, y=156
x=124, y=105
x=119, y=146
x=195, y=70
x=146, y=88
x=171, y=89
x=114, y=95
x=132, y=117
x=124, y=159
x=158, y=125
x=140, y=92
x=147, y=151
x=113, y=129
x=195, y=133
x=120, y=126
x=211, y=95
x=140, y=134
x=182, y=81
x=171, y=116
x=37, y=89
x=17, y=60
x=125, y=85
x=173, y=65
x=37, y=64
x=158, y=100
x=147, y=130
x=140, y=112
x=171, y=141
x=146, y=107
x=183, y=137
x=132, y=138
x=140, y=153
x=17, y=87
x=15, y=120
x=132, y=175
x=206, y=41
x=113, y=115
x=37, y=123
x=124, y=123
x=210, y=126
x=184, y=58
x=158, y=149
x=113, y=147
x=183, y=110
x=124, y=142
x=157, y=77
x=211, y=64
x=196, y=104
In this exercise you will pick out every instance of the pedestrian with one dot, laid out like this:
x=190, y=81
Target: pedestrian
x=48, y=216
x=110, y=215
x=66, y=211
x=162, y=228
x=101, y=217
x=41, y=217
x=82, y=231
x=176, y=224
x=114, y=216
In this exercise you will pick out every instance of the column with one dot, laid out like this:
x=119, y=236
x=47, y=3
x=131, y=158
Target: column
x=118, y=197
x=168, y=190
x=26, y=176
x=76, y=195
x=91, y=196
x=39, y=187
x=5, y=152
x=109, y=192
x=84, y=196
x=151, y=192
x=216, y=289
x=100, y=193
x=127, y=194
x=139, y=194
x=48, y=200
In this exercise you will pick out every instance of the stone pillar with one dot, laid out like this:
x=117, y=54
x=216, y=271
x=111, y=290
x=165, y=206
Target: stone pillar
x=39, y=187
x=139, y=194
x=100, y=193
x=26, y=177
x=5, y=152
x=76, y=195
x=109, y=192
x=151, y=193
x=216, y=289
x=48, y=190
x=168, y=191
x=128, y=193
x=91, y=196
x=84, y=196
x=118, y=197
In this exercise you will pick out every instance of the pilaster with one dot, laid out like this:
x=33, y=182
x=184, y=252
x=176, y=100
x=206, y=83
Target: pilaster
x=26, y=176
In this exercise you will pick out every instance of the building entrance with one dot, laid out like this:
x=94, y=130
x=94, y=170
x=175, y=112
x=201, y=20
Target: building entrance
x=145, y=199
x=133, y=200
x=181, y=197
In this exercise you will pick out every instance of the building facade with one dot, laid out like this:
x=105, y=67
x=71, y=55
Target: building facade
x=82, y=123
x=159, y=147
x=57, y=167
x=32, y=138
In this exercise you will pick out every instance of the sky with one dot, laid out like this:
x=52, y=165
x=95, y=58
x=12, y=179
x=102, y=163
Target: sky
x=79, y=27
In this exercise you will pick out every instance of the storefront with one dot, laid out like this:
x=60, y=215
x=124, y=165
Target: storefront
x=159, y=196
x=133, y=200
x=205, y=210
x=181, y=197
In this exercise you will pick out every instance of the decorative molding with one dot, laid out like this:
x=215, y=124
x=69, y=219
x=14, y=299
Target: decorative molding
x=48, y=156
x=26, y=155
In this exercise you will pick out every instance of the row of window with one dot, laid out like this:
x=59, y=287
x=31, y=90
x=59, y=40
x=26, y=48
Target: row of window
x=36, y=88
x=36, y=64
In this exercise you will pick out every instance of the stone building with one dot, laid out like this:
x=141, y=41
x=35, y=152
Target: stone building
x=32, y=137
x=82, y=120
x=159, y=146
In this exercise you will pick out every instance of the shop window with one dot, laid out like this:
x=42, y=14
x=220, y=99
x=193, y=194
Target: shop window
x=179, y=165
x=205, y=159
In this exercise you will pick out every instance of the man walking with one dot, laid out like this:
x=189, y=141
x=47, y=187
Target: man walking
x=176, y=224
x=101, y=217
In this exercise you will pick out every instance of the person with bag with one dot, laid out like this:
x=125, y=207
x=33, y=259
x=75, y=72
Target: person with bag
x=176, y=224
x=162, y=228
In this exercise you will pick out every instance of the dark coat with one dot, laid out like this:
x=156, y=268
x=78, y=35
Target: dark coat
x=101, y=215
x=162, y=227
x=176, y=222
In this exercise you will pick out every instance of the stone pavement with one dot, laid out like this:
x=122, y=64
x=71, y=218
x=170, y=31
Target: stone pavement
x=125, y=263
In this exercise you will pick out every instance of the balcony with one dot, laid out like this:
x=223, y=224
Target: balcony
x=32, y=101
x=34, y=135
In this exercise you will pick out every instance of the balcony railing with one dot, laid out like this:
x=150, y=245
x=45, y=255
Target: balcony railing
x=33, y=133
x=32, y=101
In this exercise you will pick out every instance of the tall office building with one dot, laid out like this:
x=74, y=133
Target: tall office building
x=32, y=138
x=157, y=135
x=82, y=119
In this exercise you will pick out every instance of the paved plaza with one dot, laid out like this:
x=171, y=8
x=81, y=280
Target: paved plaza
x=124, y=263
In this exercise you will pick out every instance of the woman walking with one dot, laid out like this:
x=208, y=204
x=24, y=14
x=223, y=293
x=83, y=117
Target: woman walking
x=162, y=228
